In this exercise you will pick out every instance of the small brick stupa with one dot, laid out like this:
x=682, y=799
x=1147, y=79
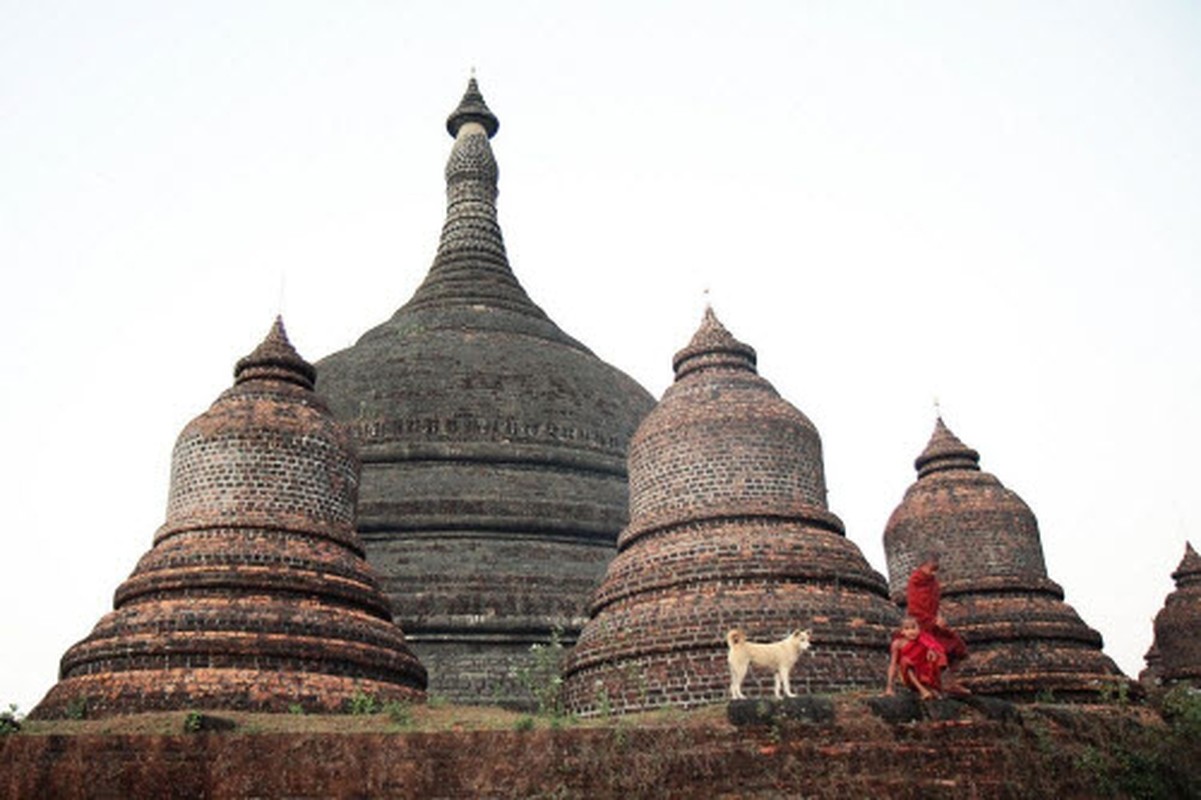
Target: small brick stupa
x=1024, y=640
x=256, y=594
x=1175, y=655
x=493, y=446
x=728, y=528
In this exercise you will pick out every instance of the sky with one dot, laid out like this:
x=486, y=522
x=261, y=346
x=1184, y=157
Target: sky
x=991, y=206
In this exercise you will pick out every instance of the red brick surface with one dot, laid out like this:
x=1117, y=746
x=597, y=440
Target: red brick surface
x=728, y=528
x=256, y=594
x=1024, y=640
x=1175, y=655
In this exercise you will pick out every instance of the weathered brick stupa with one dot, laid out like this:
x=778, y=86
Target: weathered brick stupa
x=256, y=594
x=728, y=528
x=1175, y=654
x=1024, y=640
x=493, y=445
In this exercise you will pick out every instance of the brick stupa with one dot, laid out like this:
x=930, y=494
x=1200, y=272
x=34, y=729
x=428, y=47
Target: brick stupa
x=1175, y=654
x=728, y=528
x=256, y=594
x=493, y=445
x=1024, y=640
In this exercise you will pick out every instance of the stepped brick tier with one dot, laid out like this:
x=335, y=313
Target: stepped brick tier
x=1175, y=654
x=493, y=446
x=1024, y=640
x=728, y=528
x=256, y=594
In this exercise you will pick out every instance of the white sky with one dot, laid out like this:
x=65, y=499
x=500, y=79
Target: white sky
x=994, y=204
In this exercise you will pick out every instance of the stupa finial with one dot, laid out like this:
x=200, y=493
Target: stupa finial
x=472, y=108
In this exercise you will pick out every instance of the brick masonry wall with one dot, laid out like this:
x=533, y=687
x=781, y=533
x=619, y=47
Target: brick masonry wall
x=728, y=528
x=1024, y=640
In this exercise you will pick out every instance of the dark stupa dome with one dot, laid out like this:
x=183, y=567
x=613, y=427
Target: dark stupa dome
x=728, y=528
x=494, y=444
x=1024, y=640
x=256, y=594
x=1175, y=655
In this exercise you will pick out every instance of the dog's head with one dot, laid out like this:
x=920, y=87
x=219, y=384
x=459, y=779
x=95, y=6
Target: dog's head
x=800, y=639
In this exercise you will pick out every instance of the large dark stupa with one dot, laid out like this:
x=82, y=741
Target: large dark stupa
x=493, y=447
x=256, y=594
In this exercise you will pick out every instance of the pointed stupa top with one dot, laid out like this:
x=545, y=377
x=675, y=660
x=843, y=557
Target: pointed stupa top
x=945, y=451
x=1189, y=571
x=276, y=359
x=471, y=273
x=713, y=346
x=472, y=108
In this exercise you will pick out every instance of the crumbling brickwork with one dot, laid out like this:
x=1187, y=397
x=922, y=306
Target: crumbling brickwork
x=1175, y=654
x=256, y=594
x=728, y=528
x=494, y=446
x=1024, y=640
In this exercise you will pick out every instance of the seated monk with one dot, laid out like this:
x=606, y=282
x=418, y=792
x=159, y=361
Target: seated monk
x=918, y=658
x=922, y=597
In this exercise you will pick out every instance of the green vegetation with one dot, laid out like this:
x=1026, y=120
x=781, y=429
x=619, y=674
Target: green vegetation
x=193, y=722
x=362, y=704
x=542, y=676
x=1150, y=763
x=400, y=713
x=10, y=721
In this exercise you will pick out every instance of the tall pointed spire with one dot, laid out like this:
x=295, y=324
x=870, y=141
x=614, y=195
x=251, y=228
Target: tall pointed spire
x=472, y=267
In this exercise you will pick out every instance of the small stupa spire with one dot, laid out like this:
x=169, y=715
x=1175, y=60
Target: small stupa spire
x=276, y=359
x=945, y=451
x=713, y=346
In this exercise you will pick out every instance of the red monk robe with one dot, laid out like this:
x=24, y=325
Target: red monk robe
x=922, y=598
x=915, y=657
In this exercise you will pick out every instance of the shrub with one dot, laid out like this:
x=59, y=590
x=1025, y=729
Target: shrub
x=9, y=721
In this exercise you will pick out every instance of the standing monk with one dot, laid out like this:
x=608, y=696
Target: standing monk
x=922, y=597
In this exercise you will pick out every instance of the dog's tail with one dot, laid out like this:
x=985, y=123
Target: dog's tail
x=735, y=637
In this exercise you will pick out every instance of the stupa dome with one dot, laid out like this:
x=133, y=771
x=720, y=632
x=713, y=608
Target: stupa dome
x=728, y=528
x=256, y=593
x=493, y=444
x=1175, y=655
x=1024, y=640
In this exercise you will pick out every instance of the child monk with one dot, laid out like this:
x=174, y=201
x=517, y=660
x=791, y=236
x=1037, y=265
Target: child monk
x=918, y=658
x=922, y=596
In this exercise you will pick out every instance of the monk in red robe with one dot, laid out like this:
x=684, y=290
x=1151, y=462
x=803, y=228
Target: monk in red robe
x=918, y=658
x=922, y=597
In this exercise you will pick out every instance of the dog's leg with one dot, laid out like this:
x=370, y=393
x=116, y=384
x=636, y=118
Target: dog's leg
x=787, y=683
x=737, y=673
x=777, y=684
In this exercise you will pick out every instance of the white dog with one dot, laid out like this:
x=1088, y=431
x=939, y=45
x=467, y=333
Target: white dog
x=777, y=656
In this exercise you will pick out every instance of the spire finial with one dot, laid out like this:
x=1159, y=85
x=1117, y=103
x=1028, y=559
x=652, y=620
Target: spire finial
x=472, y=108
x=276, y=359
